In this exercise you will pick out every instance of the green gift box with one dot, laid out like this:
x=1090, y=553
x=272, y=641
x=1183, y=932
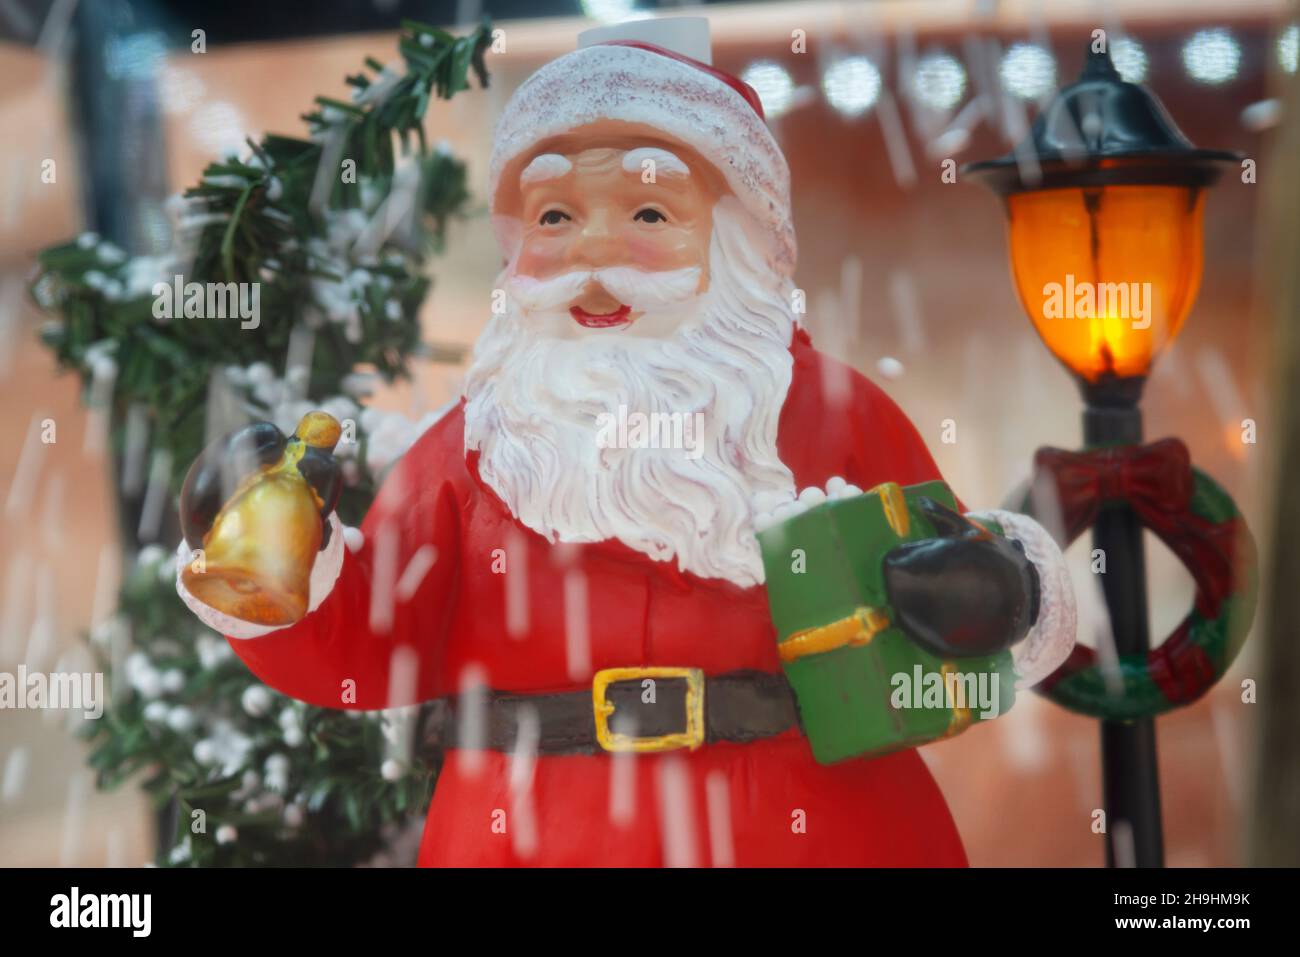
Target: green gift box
x=863, y=687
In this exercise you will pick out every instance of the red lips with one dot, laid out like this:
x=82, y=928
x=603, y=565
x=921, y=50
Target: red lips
x=595, y=320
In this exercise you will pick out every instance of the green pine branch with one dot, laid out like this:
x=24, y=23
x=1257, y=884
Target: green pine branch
x=259, y=225
x=273, y=217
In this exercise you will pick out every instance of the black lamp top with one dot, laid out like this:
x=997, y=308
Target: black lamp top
x=1102, y=131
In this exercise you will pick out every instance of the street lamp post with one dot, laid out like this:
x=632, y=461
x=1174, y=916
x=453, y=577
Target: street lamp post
x=1104, y=208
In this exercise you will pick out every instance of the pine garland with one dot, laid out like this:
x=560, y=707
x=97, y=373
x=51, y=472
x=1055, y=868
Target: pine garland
x=337, y=230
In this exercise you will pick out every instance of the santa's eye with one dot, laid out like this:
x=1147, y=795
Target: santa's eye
x=553, y=217
x=651, y=216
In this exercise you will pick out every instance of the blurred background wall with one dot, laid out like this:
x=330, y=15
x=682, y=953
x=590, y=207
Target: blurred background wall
x=907, y=279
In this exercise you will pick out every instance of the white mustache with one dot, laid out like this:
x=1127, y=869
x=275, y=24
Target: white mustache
x=636, y=288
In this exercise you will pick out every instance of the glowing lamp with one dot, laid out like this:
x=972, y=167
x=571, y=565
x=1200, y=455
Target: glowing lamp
x=1104, y=208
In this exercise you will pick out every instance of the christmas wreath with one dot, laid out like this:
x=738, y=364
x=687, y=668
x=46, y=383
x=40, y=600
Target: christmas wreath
x=1200, y=524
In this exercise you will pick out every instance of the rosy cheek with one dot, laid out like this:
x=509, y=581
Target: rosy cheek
x=662, y=251
x=541, y=257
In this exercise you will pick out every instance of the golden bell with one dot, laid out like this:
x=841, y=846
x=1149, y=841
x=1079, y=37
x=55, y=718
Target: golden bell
x=258, y=555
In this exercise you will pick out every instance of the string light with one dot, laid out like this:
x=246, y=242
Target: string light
x=1287, y=47
x=1212, y=56
x=852, y=85
x=1028, y=71
x=772, y=83
x=940, y=81
x=1129, y=59
x=608, y=11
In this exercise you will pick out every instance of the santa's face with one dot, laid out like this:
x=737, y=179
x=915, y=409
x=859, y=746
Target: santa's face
x=614, y=238
x=634, y=298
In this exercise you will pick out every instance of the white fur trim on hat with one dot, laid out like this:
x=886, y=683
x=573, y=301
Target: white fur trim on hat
x=633, y=85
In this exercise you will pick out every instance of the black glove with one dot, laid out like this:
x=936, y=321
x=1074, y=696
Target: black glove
x=222, y=466
x=965, y=593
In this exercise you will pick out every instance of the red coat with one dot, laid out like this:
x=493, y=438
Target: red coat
x=783, y=807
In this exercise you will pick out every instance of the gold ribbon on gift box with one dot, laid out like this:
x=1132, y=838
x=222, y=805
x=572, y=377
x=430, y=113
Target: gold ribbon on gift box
x=856, y=629
x=865, y=623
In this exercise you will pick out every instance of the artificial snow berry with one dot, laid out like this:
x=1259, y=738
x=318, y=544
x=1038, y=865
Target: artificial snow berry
x=811, y=496
x=227, y=834
x=148, y=683
x=156, y=711
x=256, y=700
x=291, y=725
x=110, y=254
x=277, y=772
x=354, y=538
x=391, y=770
x=205, y=752
x=180, y=719
x=276, y=764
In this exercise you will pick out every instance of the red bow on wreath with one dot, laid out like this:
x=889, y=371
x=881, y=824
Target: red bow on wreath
x=1156, y=482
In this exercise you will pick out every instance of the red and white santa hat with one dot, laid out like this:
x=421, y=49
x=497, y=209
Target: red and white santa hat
x=656, y=73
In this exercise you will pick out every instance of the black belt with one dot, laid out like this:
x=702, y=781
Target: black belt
x=626, y=709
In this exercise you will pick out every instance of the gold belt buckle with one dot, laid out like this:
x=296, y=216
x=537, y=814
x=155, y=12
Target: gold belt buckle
x=614, y=741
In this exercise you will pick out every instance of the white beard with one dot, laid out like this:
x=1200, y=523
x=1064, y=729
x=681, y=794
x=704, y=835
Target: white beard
x=535, y=404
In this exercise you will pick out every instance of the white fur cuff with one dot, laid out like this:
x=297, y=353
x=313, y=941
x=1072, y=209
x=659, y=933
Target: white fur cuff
x=1051, y=639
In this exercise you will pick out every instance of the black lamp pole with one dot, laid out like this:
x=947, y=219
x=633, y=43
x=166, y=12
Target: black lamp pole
x=1130, y=772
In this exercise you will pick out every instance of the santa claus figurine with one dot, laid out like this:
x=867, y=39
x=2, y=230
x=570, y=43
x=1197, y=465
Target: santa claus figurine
x=587, y=596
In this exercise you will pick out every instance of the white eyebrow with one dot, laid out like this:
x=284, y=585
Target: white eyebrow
x=546, y=166
x=664, y=162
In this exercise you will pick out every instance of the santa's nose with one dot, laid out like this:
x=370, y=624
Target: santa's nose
x=596, y=244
